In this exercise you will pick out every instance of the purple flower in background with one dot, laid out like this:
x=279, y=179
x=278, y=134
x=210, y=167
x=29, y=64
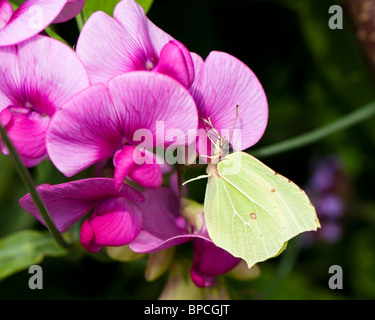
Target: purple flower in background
x=164, y=227
x=221, y=83
x=36, y=77
x=115, y=221
x=103, y=122
x=327, y=189
x=32, y=17
x=129, y=42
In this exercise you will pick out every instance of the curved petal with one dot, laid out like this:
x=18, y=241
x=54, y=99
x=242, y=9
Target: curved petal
x=29, y=19
x=107, y=50
x=71, y=9
x=6, y=11
x=175, y=61
x=158, y=37
x=87, y=238
x=198, y=63
x=27, y=133
x=9, y=77
x=140, y=166
x=71, y=201
x=123, y=162
x=115, y=222
x=152, y=104
x=163, y=227
x=210, y=261
x=84, y=131
x=134, y=21
x=147, y=172
x=223, y=83
x=129, y=42
x=51, y=73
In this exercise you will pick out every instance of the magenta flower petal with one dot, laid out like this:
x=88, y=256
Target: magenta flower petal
x=98, y=122
x=103, y=48
x=71, y=9
x=136, y=24
x=129, y=42
x=6, y=11
x=37, y=76
x=29, y=19
x=148, y=174
x=163, y=226
x=51, y=73
x=198, y=63
x=123, y=162
x=84, y=132
x=222, y=83
x=143, y=169
x=87, y=238
x=115, y=222
x=146, y=100
x=10, y=81
x=175, y=61
x=71, y=201
x=27, y=132
x=210, y=261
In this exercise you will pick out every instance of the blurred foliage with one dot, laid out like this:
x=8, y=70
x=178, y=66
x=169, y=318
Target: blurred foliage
x=108, y=6
x=312, y=75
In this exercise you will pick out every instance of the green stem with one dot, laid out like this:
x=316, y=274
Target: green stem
x=29, y=183
x=79, y=21
x=345, y=122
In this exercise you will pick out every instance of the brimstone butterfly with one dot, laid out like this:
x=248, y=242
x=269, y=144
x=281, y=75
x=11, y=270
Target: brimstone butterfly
x=250, y=210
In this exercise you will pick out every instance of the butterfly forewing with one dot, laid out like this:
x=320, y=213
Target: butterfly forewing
x=240, y=225
x=251, y=211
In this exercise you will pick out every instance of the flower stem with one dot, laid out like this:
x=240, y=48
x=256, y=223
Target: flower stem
x=79, y=21
x=318, y=134
x=29, y=183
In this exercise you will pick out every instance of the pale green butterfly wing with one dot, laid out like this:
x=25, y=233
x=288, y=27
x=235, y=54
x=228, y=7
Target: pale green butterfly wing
x=251, y=211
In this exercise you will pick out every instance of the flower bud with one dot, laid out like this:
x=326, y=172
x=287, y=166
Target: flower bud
x=124, y=254
x=158, y=263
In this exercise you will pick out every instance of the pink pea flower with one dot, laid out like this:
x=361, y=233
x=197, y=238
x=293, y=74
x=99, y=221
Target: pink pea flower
x=32, y=17
x=36, y=77
x=223, y=82
x=116, y=219
x=106, y=121
x=129, y=42
x=70, y=10
x=163, y=227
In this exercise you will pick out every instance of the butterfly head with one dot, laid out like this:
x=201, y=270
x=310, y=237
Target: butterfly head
x=221, y=145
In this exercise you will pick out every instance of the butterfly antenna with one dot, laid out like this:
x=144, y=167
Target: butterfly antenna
x=234, y=125
x=212, y=141
x=212, y=127
x=197, y=178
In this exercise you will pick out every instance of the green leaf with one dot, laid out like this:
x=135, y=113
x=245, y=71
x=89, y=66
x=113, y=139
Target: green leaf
x=20, y=250
x=52, y=33
x=16, y=3
x=252, y=211
x=146, y=4
x=108, y=6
